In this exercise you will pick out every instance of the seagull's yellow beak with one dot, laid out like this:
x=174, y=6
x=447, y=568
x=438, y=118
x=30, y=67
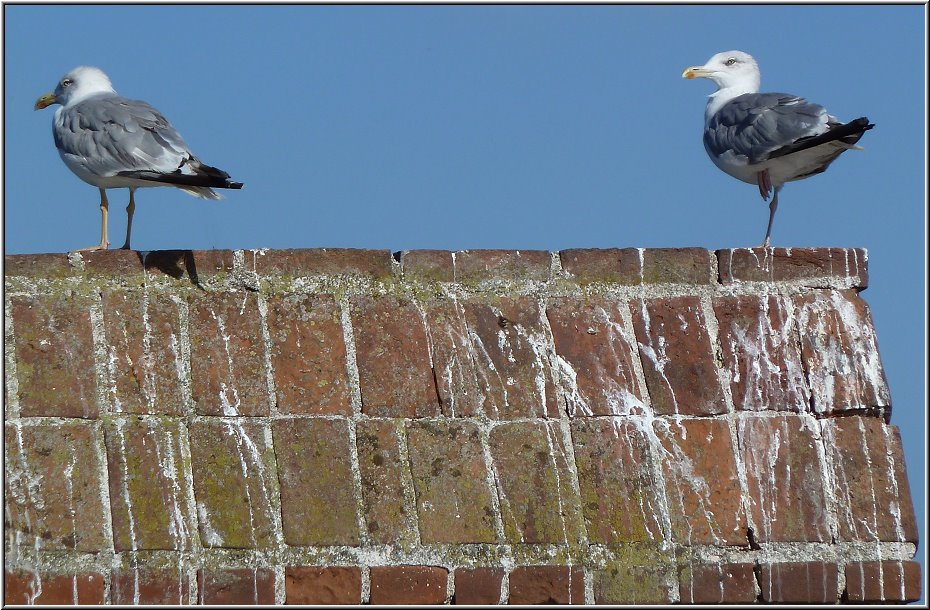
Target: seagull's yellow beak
x=46, y=100
x=695, y=72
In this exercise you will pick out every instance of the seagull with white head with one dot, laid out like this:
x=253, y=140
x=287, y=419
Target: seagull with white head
x=767, y=139
x=113, y=142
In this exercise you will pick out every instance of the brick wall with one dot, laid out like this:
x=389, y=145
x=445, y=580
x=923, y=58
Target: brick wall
x=348, y=426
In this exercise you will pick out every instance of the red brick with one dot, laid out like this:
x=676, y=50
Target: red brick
x=381, y=463
x=114, y=263
x=811, y=582
x=195, y=265
x=53, y=339
x=21, y=588
x=143, y=343
x=227, y=355
x=840, y=352
x=453, y=358
x=53, y=481
x=882, y=581
x=233, y=473
x=678, y=357
x=148, y=490
x=519, y=265
x=454, y=502
x=393, y=358
x=780, y=264
x=869, y=480
x=786, y=484
x=408, y=585
x=134, y=586
x=319, y=261
x=676, y=266
x=640, y=578
x=546, y=585
x=614, y=265
x=701, y=482
x=308, y=355
x=728, y=583
x=478, y=586
x=759, y=338
x=620, y=498
x=247, y=586
x=318, y=503
x=430, y=265
x=592, y=339
x=320, y=586
x=534, y=480
x=37, y=265
x=510, y=341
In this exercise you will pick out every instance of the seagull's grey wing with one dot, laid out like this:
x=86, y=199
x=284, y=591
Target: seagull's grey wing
x=111, y=134
x=754, y=126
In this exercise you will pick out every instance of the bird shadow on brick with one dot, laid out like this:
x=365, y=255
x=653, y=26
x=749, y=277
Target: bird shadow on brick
x=173, y=263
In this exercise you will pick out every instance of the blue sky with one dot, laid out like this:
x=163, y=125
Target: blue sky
x=517, y=127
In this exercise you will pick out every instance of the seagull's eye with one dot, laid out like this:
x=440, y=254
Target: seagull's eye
x=66, y=82
x=730, y=61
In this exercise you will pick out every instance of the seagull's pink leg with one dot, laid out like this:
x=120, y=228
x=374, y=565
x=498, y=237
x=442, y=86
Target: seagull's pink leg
x=104, y=208
x=130, y=210
x=772, y=207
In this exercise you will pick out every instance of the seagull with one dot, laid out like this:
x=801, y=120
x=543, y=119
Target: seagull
x=113, y=142
x=767, y=139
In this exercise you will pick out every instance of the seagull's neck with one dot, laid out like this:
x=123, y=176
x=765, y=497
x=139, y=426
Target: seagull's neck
x=716, y=100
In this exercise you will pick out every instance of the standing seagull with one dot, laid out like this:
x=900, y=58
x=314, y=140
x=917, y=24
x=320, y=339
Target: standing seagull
x=767, y=138
x=113, y=142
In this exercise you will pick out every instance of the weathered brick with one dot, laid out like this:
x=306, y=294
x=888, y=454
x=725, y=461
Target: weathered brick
x=596, y=347
x=676, y=266
x=430, y=265
x=302, y=262
x=639, y=574
x=53, y=479
x=712, y=583
x=882, y=581
x=318, y=504
x=613, y=265
x=389, y=519
x=42, y=588
x=701, y=482
x=453, y=357
x=546, y=585
x=392, y=351
x=113, y=263
x=761, y=355
x=780, y=264
x=786, y=484
x=227, y=355
x=478, y=586
x=53, y=340
x=408, y=585
x=866, y=463
x=232, y=587
x=38, y=265
x=811, y=582
x=319, y=586
x=233, y=472
x=134, y=586
x=143, y=344
x=538, y=503
x=677, y=356
x=497, y=265
x=454, y=502
x=194, y=265
x=620, y=498
x=148, y=493
x=308, y=355
x=510, y=342
x=840, y=352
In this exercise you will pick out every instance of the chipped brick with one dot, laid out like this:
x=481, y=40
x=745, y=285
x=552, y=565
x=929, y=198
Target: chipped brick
x=429, y=265
x=497, y=265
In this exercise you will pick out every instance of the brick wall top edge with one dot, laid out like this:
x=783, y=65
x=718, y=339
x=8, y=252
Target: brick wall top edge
x=627, y=266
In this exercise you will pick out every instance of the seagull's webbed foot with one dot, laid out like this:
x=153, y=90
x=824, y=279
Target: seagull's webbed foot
x=102, y=246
